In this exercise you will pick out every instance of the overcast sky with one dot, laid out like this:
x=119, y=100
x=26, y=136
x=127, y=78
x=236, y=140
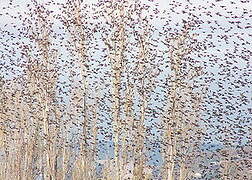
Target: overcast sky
x=216, y=17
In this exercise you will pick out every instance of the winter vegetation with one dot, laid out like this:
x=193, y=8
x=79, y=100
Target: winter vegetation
x=125, y=89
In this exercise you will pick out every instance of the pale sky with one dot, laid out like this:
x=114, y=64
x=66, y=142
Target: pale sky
x=238, y=36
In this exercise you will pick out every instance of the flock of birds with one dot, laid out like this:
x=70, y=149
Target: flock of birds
x=184, y=60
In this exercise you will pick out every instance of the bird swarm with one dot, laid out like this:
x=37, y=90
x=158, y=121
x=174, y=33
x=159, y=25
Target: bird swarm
x=101, y=91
